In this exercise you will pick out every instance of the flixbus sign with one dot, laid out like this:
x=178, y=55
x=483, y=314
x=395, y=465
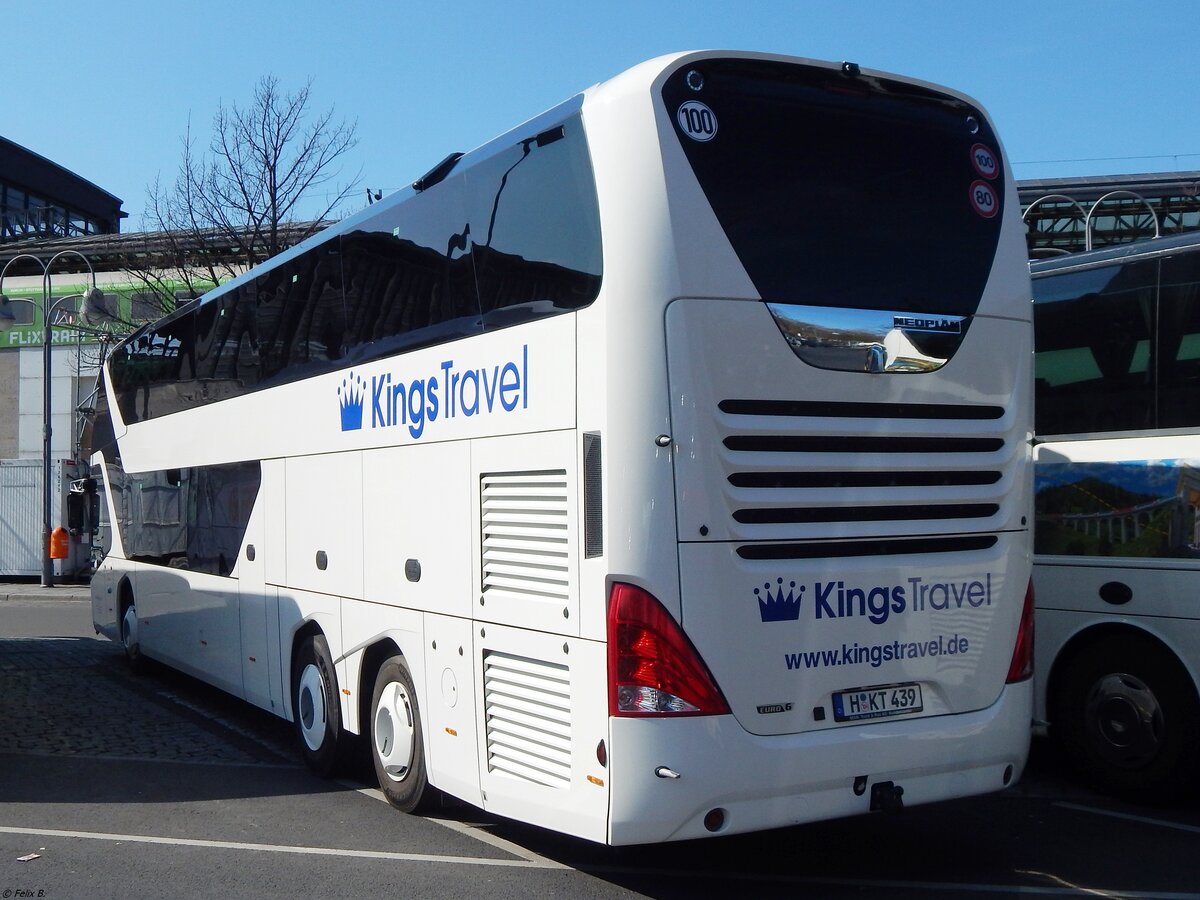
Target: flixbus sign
x=32, y=336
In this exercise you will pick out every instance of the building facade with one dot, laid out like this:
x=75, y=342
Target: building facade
x=40, y=202
x=41, y=199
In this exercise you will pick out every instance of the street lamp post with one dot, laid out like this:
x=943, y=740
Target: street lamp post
x=89, y=296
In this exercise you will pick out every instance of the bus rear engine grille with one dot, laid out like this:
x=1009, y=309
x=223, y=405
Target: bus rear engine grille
x=851, y=410
x=866, y=513
x=787, y=443
x=811, y=469
x=849, y=549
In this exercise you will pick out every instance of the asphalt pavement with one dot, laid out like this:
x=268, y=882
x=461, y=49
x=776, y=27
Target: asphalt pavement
x=121, y=785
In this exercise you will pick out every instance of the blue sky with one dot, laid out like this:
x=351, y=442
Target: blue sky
x=107, y=89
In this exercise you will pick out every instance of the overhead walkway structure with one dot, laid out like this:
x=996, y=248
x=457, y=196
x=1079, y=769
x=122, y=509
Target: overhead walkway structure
x=1067, y=215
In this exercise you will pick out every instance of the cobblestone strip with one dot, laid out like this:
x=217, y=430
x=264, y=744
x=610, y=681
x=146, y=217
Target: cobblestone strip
x=73, y=697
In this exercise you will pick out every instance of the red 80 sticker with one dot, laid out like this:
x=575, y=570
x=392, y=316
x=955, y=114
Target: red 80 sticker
x=985, y=161
x=984, y=199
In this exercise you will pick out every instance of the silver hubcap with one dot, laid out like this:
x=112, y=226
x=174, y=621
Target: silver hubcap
x=1124, y=720
x=311, y=712
x=129, y=631
x=394, y=731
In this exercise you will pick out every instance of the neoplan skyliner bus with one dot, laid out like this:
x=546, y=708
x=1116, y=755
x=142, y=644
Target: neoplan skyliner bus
x=659, y=469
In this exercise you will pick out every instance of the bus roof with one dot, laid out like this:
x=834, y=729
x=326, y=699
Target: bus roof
x=1162, y=246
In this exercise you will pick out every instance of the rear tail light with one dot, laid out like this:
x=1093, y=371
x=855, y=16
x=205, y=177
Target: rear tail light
x=653, y=669
x=1022, y=658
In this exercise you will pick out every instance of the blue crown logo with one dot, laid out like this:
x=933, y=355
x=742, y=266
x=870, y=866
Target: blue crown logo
x=351, y=393
x=776, y=607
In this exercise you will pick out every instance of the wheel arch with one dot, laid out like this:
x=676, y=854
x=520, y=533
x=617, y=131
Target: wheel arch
x=1104, y=631
x=307, y=629
x=126, y=601
x=125, y=597
x=373, y=658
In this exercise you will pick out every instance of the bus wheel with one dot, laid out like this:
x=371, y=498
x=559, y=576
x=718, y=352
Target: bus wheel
x=1128, y=716
x=315, y=705
x=129, y=639
x=397, y=746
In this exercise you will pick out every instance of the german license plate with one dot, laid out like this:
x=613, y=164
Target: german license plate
x=876, y=702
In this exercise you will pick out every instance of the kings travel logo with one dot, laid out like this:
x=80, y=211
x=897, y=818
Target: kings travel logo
x=775, y=606
x=837, y=599
x=450, y=391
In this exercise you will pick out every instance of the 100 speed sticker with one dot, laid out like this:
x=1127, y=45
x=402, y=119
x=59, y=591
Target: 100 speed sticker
x=697, y=121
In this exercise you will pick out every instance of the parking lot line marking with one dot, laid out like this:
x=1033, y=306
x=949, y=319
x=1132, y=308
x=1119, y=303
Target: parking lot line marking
x=277, y=848
x=759, y=878
x=1077, y=888
x=1162, y=823
x=373, y=793
x=486, y=837
x=471, y=831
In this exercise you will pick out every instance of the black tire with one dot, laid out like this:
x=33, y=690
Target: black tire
x=315, y=707
x=1126, y=714
x=398, y=740
x=128, y=626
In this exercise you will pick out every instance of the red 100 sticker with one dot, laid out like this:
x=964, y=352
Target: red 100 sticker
x=984, y=199
x=985, y=161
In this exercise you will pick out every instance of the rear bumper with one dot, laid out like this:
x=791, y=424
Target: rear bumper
x=770, y=782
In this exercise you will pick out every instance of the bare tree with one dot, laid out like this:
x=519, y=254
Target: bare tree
x=250, y=194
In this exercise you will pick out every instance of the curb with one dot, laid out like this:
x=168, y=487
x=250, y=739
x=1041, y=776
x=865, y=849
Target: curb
x=37, y=592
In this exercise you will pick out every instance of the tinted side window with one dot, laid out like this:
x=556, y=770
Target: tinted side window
x=511, y=238
x=1178, y=357
x=98, y=432
x=219, y=504
x=191, y=519
x=299, y=312
x=535, y=227
x=1092, y=334
x=147, y=370
x=409, y=278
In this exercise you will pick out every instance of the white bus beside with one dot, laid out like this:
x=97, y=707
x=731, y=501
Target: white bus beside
x=660, y=469
x=1117, y=571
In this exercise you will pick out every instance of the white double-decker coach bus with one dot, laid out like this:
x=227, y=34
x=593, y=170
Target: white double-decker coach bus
x=659, y=469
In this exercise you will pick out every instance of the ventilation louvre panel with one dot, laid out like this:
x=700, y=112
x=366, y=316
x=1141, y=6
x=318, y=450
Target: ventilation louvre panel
x=526, y=535
x=527, y=704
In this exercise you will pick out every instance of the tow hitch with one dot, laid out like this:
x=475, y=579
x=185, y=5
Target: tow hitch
x=887, y=796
